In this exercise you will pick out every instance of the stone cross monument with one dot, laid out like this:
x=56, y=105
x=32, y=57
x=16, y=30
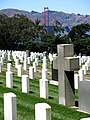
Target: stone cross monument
x=67, y=64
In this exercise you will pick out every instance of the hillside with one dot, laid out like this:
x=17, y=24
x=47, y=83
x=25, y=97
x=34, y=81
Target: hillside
x=65, y=18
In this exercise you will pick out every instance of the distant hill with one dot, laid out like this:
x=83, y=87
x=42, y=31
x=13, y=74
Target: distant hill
x=65, y=18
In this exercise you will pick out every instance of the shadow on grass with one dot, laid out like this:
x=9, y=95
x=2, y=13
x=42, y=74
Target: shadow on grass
x=50, y=97
x=1, y=82
x=31, y=92
x=15, y=87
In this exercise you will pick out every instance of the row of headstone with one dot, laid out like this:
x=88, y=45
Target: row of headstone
x=25, y=78
x=66, y=66
x=44, y=81
x=22, y=57
x=25, y=88
x=25, y=84
x=25, y=60
x=34, y=57
x=42, y=110
x=79, y=76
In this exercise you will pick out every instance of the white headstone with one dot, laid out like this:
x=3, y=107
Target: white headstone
x=28, y=60
x=51, y=58
x=16, y=62
x=80, y=60
x=81, y=74
x=8, y=66
x=19, y=70
x=35, y=67
x=36, y=61
x=85, y=118
x=44, y=74
x=25, y=83
x=87, y=65
x=21, y=59
x=76, y=79
x=43, y=88
x=42, y=111
x=44, y=65
x=31, y=56
x=2, y=60
x=9, y=79
x=10, y=108
x=31, y=72
x=25, y=56
x=25, y=65
x=8, y=55
x=84, y=67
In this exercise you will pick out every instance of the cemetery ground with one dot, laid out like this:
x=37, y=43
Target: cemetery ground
x=26, y=101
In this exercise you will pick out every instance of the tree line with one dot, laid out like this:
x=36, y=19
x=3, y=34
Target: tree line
x=20, y=33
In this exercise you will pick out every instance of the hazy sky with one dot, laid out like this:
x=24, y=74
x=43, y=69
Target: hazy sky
x=68, y=6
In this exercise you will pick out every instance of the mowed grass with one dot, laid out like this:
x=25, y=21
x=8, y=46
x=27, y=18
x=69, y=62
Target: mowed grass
x=26, y=101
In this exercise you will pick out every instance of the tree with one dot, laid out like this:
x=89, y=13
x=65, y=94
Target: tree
x=38, y=30
x=82, y=46
x=4, y=33
x=20, y=33
x=78, y=32
x=79, y=37
x=23, y=28
x=58, y=29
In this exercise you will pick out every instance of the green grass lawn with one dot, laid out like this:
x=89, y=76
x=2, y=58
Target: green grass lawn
x=26, y=102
